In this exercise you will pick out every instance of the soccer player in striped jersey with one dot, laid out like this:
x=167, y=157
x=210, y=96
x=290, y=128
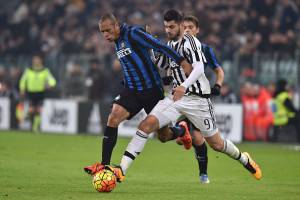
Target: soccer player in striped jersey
x=142, y=83
x=191, y=26
x=190, y=98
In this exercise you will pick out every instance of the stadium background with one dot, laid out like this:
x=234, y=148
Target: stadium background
x=257, y=43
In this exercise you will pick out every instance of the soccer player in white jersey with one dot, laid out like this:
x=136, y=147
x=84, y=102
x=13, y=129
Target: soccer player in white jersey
x=191, y=26
x=190, y=98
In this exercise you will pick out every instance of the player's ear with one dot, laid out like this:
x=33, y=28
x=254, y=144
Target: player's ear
x=117, y=25
x=181, y=26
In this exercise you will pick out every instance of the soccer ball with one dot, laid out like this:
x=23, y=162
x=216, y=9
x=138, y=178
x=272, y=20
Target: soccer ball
x=104, y=181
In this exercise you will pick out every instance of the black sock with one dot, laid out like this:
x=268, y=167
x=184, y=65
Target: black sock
x=201, y=156
x=108, y=144
x=178, y=131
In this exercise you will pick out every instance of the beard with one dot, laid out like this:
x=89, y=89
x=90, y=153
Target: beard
x=175, y=36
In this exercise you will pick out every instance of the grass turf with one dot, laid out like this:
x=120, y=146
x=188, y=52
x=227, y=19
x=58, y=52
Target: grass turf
x=48, y=166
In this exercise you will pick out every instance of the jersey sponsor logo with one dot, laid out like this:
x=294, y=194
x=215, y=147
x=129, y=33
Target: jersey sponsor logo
x=117, y=98
x=122, y=45
x=173, y=64
x=123, y=52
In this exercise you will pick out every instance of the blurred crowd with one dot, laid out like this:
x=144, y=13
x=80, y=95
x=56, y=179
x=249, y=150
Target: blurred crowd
x=95, y=84
x=70, y=26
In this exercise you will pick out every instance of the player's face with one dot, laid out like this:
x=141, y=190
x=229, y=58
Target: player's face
x=190, y=28
x=172, y=29
x=109, y=30
x=37, y=62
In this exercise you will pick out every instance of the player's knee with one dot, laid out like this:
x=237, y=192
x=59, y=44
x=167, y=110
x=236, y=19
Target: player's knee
x=113, y=120
x=149, y=125
x=198, y=139
x=216, y=146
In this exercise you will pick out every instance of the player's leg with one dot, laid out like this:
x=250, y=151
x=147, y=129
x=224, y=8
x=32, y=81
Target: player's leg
x=36, y=118
x=227, y=147
x=201, y=155
x=200, y=150
x=202, y=116
x=31, y=107
x=117, y=115
x=125, y=106
x=37, y=107
x=180, y=131
x=162, y=114
x=150, y=98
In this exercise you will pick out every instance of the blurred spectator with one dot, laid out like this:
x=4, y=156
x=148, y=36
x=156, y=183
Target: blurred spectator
x=62, y=28
x=75, y=82
x=34, y=84
x=284, y=111
x=69, y=27
x=258, y=116
x=116, y=78
x=97, y=81
x=289, y=15
x=226, y=95
x=279, y=41
x=263, y=118
x=14, y=79
x=6, y=87
x=249, y=110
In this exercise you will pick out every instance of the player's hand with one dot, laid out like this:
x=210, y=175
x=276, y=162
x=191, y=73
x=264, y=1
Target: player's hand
x=216, y=90
x=178, y=92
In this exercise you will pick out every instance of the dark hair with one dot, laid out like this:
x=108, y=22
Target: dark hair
x=173, y=15
x=280, y=86
x=192, y=19
x=109, y=16
x=38, y=54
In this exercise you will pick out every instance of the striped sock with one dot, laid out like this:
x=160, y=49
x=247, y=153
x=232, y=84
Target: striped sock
x=134, y=148
x=231, y=150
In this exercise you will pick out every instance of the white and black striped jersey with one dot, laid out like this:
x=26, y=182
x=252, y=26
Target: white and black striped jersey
x=190, y=48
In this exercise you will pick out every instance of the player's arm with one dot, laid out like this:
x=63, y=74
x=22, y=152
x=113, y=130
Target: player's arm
x=196, y=58
x=22, y=84
x=219, y=72
x=148, y=41
x=51, y=82
x=219, y=81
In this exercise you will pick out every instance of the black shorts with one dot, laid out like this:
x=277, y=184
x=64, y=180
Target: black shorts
x=36, y=98
x=134, y=101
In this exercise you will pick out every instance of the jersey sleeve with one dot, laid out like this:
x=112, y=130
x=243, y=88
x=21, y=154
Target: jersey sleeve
x=211, y=57
x=192, y=50
x=50, y=79
x=22, y=84
x=148, y=41
x=162, y=62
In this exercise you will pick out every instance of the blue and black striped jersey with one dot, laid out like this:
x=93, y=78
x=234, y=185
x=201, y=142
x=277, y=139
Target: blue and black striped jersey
x=211, y=59
x=132, y=49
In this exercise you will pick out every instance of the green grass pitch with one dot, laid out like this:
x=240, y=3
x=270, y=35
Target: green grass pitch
x=49, y=166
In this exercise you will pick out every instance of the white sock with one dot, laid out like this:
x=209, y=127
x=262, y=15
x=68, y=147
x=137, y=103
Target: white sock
x=134, y=148
x=231, y=150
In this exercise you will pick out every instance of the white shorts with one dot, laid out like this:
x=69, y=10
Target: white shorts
x=198, y=110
